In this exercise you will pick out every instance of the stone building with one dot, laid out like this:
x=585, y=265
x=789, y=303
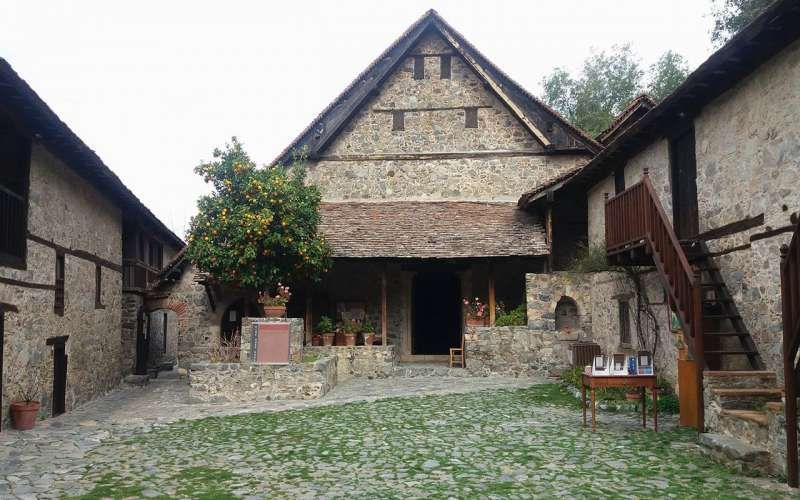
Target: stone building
x=420, y=162
x=76, y=247
x=722, y=156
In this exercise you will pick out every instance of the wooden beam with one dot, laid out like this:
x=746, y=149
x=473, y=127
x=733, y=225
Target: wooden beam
x=384, y=309
x=732, y=228
x=309, y=318
x=492, y=313
x=495, y=87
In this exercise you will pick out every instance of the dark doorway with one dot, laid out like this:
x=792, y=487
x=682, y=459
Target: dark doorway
x=684, y=185
x=436, y=307
x=59, y=373
x=142, y=344
x=231, y=323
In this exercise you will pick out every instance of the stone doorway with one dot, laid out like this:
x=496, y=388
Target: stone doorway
x=436, y=313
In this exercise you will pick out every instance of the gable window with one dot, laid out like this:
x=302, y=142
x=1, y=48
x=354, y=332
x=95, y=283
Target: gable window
x=398, y=120
x=58, y=304
x=419, y=67
x=98, y=286
x=445, y=70
x=624, y=322
x=619, y=180
x=471, y=117
x=15, y=154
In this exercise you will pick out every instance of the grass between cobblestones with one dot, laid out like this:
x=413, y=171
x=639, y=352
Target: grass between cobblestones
x=509, y=443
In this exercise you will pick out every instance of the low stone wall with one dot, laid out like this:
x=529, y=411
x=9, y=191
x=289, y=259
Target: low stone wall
x=222, y=382
x=514, y=350
x=359, y=361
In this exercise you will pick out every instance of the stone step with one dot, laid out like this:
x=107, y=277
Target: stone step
x=745, y=398
x=734, y=452
x=740, y=379
x=749, y=426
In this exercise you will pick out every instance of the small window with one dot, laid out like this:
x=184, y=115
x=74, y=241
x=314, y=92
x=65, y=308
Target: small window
x=624, y=322
x=98, y=286
x=398, y=120
x=58, y=305
x=419, y=68
x=471, y=117
x=619, y=180
x=445, y=67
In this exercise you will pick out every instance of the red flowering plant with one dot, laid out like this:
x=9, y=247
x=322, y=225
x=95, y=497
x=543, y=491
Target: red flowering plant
x=475, y=308
x=281, y=297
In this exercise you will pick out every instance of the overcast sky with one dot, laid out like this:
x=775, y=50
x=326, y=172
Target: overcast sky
x=154, y=86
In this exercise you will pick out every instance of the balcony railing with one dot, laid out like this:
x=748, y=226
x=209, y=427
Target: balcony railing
x=137, y=274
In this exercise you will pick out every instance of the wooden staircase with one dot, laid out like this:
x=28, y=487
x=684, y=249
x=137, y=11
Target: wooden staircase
x=638, y=233
x=726, y=340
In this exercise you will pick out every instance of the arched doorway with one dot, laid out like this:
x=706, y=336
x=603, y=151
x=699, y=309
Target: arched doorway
x=231, y=322
x=567, y=319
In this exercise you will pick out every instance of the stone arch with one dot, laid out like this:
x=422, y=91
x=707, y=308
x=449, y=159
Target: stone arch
x=567, y=317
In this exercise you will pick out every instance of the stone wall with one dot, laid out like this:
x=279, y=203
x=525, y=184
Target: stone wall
x=747, y=145
x=497, y=160
x=65, y=210
x=517, y=351
x=359, y=361
x=224, y=382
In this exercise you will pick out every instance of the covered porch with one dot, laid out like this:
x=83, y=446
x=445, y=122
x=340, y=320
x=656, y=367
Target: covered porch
x=406, y=267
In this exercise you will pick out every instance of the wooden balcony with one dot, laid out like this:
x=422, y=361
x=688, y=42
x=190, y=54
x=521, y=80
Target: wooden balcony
x=137, y=275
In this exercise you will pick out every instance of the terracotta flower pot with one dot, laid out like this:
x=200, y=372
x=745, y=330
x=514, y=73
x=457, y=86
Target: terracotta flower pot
x=369, y=338
x=327, y=338
x=350, y=339
x=316, y=339
x=275, y=311
x=473, y=321
x=23, y=414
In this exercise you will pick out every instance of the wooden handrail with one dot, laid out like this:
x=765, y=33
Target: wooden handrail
x=635, y=217
x=790, y=303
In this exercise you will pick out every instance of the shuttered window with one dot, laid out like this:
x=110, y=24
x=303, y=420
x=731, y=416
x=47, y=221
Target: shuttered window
x=445, y=67
x=419, y=68
x=98, y=286
x=471, y=118
x=398, y=120
x=58, y=304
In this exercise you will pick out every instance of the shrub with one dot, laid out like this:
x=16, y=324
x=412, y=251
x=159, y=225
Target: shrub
x=514, y=317
x=590, y=259
x=325, y=325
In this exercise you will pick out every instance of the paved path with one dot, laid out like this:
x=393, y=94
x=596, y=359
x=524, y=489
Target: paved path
x=55, y=451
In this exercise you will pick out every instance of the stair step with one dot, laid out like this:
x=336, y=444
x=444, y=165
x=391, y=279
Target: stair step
x=721, y=316
x=748, y=392
x=734, y=452
x=739, y=373
x=726, y=334
x=754, y=416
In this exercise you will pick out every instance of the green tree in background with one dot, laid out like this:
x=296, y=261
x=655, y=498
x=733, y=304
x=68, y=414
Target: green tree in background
x=258, y=226
x=732, y=15
x=666, y=74
x=608, y=81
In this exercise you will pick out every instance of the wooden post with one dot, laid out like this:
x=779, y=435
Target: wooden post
x=548, y=220
x=309, y=318
x=789, y=374
x=384, y=310
x=699, y=349
x=491, y=295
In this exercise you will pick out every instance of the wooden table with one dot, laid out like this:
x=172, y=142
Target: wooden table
x=641, y=381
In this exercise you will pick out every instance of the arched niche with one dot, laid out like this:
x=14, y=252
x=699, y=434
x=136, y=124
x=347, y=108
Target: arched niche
x=567, y=319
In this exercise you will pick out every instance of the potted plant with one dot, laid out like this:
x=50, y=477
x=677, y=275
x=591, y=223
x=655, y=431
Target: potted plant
x=275, y=307
x=350, y=329
x=25, y=400
x=326, y=329
x=368, y=331
x=476, y=312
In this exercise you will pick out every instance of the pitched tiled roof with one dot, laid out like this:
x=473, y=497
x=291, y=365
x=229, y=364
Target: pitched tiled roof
x=641, y=103
x=430, y=230
x=325, y=126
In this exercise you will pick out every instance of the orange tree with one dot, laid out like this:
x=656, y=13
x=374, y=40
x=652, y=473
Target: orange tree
x=259, y=226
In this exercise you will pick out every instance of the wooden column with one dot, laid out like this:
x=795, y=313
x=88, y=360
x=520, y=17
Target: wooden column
x=548, y=220
x=309, y=319
x=384, y=310
x=491, y=295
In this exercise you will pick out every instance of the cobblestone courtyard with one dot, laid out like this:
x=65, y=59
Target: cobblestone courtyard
x=494, y=437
